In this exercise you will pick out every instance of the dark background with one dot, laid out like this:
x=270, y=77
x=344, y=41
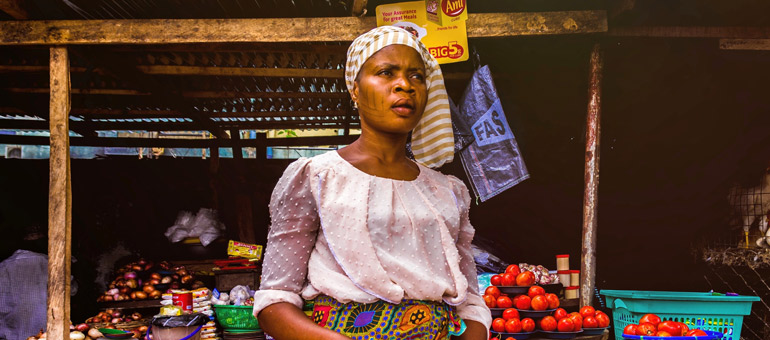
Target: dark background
x=681, y=120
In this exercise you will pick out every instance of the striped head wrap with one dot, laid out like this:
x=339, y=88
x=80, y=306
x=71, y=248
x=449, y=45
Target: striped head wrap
x=432, y=140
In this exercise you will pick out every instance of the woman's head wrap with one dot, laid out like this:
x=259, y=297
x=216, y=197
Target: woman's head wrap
x=432, y=140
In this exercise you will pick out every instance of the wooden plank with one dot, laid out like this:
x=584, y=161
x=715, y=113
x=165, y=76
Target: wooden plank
x=181, y=143
x=137, y=114
x=745, y=44
x=591, y=177
x=59, y=200
x=331, y=123
x=691, y=32
x=332, y=29
x=14, y=9
x=192, y=94
x=242, y=71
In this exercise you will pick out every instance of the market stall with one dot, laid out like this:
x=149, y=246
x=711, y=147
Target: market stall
x=229, y=107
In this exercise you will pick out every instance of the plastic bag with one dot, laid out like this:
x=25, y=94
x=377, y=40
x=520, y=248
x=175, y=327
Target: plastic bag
x=239, y=295
x=184, y=320
x=203, y=225
x=492, y=162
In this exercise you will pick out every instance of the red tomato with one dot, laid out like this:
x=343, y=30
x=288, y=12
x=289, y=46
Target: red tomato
x=525, y=279
x=695, y=332
x=565, y=325
x=577, y=321
x=670, y=327
x=630, y=329
x=504, y=302
x=496, y=280
x=553, y=300
x=535, y=291
x=510, y=313
x=685, y=328
x=586, y=311
x=663, y=333
x=513, y=326
x=602, y=319
x=490, y=300
x=548, y=323
x=494, y=291
x=498, y=325
x=650, y=318
x=513, y=269
x=523, y=302
x=560, y=313
x=539, y=302
x=527, y=325
x=590, y=322
x=645, y=329
x=508, y=280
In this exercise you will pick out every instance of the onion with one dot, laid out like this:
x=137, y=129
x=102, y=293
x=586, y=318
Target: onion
x=94, y=333
x=148, y=289
x=129, y=275
x=187, y=278
x=166, y=279
x=155, y=276
x=131, y=283
x=112, y=291
x=115, y=297
x=154, y=281
x=115, y=320
x=141, y=262
x=116, y=313
x=82, y=327
x=132, y=295
x=125, y=290
x=110, y=326
x=142, y=328
x=182, y=271
x=155, y=294
x=136, y=316
x=140, y=295
x=77, y=335
x=137, y=268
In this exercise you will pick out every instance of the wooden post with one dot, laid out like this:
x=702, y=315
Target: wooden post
x=591, y=195
x=59, y=200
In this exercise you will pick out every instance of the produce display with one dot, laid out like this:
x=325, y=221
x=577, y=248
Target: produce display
x=524, y=274
x=143, y=279
x=652, y=325
x=536, y=299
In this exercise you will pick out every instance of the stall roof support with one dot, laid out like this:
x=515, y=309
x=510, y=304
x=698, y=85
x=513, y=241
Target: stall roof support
x=335, y=29
x=59, y=199
x=591, y=193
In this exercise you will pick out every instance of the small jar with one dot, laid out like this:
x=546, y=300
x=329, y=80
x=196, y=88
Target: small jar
x=574, y=276
x=564, y=277
x=571, y=292
x=562, y=262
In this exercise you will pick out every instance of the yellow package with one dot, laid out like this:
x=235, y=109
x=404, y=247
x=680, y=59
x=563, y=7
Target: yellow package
x=170, y=310
x=445, y=12
x=246, y=250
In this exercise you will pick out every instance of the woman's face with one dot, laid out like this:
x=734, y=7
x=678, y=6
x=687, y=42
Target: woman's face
x=391, y=90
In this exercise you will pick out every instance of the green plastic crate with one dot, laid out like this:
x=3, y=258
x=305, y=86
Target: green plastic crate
x=236, y=318
x=717, y=313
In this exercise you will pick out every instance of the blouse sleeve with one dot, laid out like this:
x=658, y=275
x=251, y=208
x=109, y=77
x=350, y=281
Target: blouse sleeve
x=474, y=307
x=292, y=235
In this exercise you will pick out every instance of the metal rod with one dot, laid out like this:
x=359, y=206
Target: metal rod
x=591, y=195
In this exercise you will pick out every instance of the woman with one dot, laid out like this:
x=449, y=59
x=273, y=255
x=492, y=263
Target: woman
x=379, y=242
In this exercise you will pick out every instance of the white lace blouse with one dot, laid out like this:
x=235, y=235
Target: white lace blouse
x=341, y=232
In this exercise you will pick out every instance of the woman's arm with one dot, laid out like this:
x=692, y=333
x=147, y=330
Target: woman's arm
x=474, y=331
x=285, y=321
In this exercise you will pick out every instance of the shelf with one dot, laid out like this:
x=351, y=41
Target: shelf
x=155, y=303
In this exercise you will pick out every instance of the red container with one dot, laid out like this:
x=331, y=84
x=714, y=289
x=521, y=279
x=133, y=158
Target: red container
x=184, y=300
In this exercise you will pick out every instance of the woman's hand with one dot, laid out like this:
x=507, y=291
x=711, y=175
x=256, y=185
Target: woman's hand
x=284, y=321
x=474, y=331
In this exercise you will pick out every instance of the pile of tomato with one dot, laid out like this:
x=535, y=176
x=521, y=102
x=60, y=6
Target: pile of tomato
x=652, y=325
x=513, y=276
x=587, y=317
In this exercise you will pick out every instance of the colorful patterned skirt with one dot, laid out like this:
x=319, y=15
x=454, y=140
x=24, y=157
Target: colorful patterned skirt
x=410, y=319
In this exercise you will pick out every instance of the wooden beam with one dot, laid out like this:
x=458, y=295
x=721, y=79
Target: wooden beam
x=191, y=94
x=59, y=200
x=333, y=29
x=727, y=32
x=14, y=9
x=745, y=44
x=358, y=9
x=137, y=114
x=331, y=123
x=181, y=143
x=242, y=71
x=591, y=177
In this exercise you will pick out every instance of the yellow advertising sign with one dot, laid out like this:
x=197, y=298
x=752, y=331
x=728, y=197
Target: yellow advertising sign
x=448, y=44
